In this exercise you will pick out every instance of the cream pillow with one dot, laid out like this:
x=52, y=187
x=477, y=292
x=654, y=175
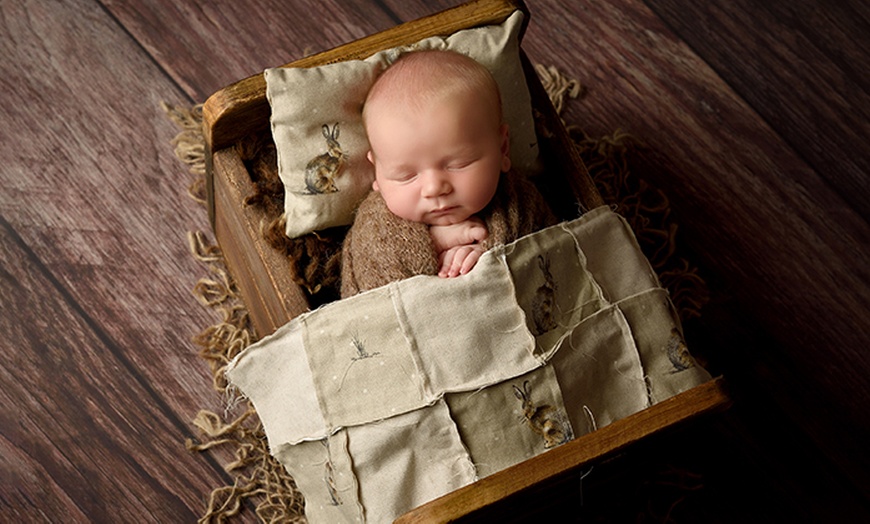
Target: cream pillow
x=318, y=132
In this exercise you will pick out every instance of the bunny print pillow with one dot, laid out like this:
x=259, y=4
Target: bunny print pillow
x=318, y=132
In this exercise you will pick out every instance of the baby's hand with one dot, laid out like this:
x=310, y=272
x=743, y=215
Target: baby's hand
x=458, y=245
x=459, y=260
x=467, y=232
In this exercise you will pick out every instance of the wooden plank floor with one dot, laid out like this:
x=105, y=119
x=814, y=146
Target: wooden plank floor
x=755, y=114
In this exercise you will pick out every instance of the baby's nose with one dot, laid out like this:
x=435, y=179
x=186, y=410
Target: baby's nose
x=435, y=183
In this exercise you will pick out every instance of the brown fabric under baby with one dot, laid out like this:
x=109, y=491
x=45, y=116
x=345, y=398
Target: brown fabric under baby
x=381, y=248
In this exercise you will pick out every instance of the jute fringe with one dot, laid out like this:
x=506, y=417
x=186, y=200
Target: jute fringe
x=189, y=146
x=259, y=478
x=557, y=85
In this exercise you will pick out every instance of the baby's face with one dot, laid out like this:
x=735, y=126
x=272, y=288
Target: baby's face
x=440, y=164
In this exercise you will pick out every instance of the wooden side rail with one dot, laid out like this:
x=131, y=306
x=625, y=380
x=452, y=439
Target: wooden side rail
x=498, y=495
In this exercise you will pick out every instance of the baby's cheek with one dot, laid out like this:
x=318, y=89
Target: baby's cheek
x=401, y=204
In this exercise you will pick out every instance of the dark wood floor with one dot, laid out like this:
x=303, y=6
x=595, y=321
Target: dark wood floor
x=757, y=115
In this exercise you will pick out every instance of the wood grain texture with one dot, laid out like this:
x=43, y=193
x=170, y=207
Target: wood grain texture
x=812, y=59
x=95, y=191
x=261, y=273
x=205, y=46
x=786, y=245
x=73, y=443
x=100, y=379
x=753, y=112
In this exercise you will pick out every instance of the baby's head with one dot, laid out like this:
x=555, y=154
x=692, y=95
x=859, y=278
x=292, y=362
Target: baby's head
x=438, y=141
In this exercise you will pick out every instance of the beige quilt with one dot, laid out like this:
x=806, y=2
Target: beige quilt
x=383, y=401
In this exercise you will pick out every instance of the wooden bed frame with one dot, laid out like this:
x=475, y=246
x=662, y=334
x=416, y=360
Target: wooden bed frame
x=262, y=274
x=242, y=109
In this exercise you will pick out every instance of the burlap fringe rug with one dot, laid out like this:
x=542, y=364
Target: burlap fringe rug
x=261, y=482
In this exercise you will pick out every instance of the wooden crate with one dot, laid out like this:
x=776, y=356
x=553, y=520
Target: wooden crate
x=242, y=109
x=263, y=277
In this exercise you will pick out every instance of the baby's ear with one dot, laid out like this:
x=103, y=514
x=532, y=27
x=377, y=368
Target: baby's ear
x=371, y=158
x=505, y=147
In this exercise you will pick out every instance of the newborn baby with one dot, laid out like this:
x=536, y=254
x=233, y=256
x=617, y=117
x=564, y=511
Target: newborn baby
x=444, y=191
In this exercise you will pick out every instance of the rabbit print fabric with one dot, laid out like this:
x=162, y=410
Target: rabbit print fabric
x=549, y=338
x=322, y=170
x=511, y=421
x=325, y=173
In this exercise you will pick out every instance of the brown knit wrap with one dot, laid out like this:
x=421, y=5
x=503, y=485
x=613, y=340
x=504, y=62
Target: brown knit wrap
x=381, y=248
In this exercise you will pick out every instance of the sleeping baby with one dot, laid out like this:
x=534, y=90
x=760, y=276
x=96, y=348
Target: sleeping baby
x=444, y=191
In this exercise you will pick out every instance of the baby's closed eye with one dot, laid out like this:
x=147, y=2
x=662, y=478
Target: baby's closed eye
x=459, y=165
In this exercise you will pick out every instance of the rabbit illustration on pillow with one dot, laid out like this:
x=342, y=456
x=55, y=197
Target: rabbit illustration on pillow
x=321, y=171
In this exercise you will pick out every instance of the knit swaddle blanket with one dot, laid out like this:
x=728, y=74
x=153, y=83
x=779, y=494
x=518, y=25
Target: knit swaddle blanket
x=381, y=247
x=383, y=401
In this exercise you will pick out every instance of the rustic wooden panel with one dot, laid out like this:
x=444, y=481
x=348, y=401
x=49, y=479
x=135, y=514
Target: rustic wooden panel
x=206, y=46
x=92, y=186
x=93, y=223
x=802, y=65
x=759, y=218
x=406, y=11
x=94, y=198
x=261, y=272
x=84, y=436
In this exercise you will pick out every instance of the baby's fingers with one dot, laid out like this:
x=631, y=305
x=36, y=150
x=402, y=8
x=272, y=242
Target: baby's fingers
x=446, y=262
x=459, y=261
x=470, y=261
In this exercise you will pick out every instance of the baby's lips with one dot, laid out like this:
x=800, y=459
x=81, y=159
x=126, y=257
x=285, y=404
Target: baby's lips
x=442, y=210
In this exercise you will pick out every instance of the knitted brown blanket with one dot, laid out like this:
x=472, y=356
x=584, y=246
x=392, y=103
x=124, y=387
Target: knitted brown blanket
x=381, y=248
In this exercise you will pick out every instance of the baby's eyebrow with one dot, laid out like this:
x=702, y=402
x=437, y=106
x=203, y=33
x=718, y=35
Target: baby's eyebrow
x=464, y=150
x=399, y=167
x=398, y=171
